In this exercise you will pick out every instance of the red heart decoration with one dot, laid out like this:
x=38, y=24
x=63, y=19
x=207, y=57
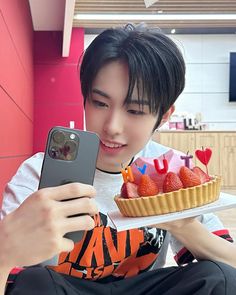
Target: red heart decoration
x=204, y=155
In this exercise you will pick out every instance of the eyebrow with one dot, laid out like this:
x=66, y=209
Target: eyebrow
x=99, y=92
x=133, y=101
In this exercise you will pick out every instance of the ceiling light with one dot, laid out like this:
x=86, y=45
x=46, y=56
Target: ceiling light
x=146, y=17
x=159, y=11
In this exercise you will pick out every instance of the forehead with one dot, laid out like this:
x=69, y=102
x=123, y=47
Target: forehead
x=113, y=76
x=113, y=79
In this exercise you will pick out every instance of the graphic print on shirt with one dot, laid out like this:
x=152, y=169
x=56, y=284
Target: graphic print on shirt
x=103, y=252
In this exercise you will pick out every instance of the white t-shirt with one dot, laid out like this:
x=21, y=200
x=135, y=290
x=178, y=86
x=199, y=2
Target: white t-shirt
x=105, y=252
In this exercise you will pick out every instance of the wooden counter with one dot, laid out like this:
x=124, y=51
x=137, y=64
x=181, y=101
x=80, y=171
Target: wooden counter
x=222, y=143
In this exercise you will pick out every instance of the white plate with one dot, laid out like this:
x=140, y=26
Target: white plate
x=121, y=222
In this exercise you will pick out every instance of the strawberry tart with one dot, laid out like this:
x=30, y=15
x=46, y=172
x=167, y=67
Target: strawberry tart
x=166, y=184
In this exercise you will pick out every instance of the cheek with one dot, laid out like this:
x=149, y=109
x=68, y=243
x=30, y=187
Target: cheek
x=93, y=125
x=140, y=135
x=90, y=119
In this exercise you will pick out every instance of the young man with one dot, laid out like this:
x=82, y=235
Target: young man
x=130, y=79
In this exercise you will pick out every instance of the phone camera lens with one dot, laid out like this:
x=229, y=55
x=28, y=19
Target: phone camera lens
x=70, y=146
x=54, y=152
x=58, y=136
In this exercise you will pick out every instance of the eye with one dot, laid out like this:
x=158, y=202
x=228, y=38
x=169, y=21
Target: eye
x=99, y=104
x=136, y=112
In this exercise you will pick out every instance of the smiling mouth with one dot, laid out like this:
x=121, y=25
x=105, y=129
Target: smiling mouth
x=112, y=145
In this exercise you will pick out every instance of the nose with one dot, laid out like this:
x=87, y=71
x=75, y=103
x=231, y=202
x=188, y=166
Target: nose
x=113, y=124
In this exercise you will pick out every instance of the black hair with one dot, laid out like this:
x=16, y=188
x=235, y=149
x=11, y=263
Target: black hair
x=155, y=65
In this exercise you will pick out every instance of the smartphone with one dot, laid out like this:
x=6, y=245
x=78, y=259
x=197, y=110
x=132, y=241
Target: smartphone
x=70, y=156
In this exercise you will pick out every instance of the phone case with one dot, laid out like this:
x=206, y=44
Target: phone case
x=70, y=156
x=80, y=168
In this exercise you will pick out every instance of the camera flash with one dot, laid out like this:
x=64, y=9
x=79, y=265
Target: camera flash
x=72, y=136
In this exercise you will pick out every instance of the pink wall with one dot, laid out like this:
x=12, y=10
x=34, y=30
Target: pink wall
x=16, y=87
x=35, y=93
x=58, y=98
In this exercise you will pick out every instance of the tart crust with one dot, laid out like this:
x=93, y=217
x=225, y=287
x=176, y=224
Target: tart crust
x=182, y=199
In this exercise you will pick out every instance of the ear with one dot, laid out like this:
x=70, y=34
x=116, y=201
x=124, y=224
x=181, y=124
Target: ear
x=167, y=115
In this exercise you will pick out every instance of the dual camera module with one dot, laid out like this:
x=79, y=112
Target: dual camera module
x=63, y=145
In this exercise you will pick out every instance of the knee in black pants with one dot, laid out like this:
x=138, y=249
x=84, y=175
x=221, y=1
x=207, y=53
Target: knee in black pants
x=216, y=277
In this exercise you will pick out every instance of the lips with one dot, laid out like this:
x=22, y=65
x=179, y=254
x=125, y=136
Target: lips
x=111, y=145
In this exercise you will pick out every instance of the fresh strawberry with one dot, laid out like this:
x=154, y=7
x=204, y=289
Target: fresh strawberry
x=129, y=190
x=188, y=177
x=172, y=182
x=203, y=176
x=147, y=187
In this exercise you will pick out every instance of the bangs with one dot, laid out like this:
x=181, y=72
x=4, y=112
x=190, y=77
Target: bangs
x=141, y=76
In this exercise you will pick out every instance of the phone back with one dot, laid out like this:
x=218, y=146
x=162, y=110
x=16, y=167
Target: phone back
x=70, y=156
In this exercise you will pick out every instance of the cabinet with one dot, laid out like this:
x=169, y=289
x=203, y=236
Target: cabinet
x=184, y=141
x=223, y=145
x=228, y=159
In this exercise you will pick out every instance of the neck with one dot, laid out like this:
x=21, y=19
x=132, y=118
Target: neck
x=114, y=168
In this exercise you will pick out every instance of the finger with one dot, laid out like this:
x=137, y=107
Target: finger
x=67, y=245
x=67, y=191
x=78, y=223
x=78, y=206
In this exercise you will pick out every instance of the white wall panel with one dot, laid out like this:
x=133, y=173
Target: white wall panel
x=191, y=47
x=216, y=108
x=88, y=39
x=194, y=78
x=215, y=78
x=189, y=102
x=216, y=48
x=207, y=78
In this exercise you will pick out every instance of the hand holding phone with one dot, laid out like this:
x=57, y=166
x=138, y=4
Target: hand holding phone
x=39, y=233
x=70, y=156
